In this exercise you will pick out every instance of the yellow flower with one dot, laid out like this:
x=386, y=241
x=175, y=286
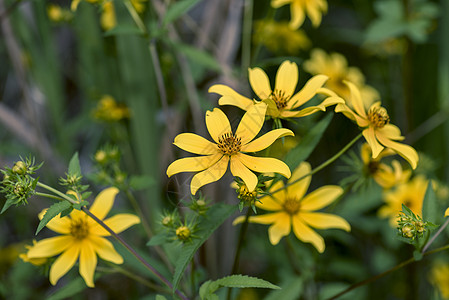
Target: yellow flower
x=83, y=238
x=109, y=110
x=385, y=175
x=439, y=277
x=229, y=148
x=35, y=261
x=294, y=210
x=335, y=66
x=299, y=8
x=378, y=131
x=282, y=102
x=279, y=37
x=411, y=194
x=446, y=213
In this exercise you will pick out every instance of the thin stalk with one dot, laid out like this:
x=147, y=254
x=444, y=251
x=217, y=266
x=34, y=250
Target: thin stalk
x=322, y=166
x=133, y=252
x=242, y=234
x=435, y=236
x=49, y=196
x=395, y=268
x=55, y=191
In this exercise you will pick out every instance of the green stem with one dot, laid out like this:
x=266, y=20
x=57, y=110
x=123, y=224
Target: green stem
x=242, y=234
x=137, y=19
x=435, y=236
x=55, y=191
x=395, y=268
x=133, y=252
x=322, y=166
x=49, y=196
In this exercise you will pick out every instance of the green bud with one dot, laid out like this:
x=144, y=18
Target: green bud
x=20, y=168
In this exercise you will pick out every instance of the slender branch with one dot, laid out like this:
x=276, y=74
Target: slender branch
x=320, y=167
x=133, y=252
x=62, y=195
x=435, y=236
x=49, y=196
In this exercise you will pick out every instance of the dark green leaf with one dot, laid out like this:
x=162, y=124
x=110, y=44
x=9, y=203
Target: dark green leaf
x=159, y=239
x=66, y=211
x=78, y=206
x=198, y=57
x=74, y=165
x=123, y=29
x=52, y=212
x=291, y=290
x=72, y=288
x=177, y=9
x=8, y=203
x=141, y=182
x=430, y=209
x=216, y=215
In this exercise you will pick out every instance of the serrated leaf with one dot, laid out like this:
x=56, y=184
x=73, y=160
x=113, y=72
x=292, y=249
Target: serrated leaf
x=74, y=165
x=177, y=9
x=216, y=215
x=308, y=143
x=52, y=212
x=66, y=212
x=141, y=182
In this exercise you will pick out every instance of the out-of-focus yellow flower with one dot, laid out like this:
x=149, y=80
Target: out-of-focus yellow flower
x=377, y=130
x=35, y=261
x=291, y=209
x=411, y=194
x=278, y=37
x=58, y=14
x=299, y=8
x=439, y=277
x=229, y=148
x=282, y=101
x=83, y=238
x=335, y=66
x=109, y=110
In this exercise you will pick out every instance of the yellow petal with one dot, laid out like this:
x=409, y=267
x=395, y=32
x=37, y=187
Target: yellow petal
x=64, y=263
x=266, y=140
x=260, y=219
x=406, y=151
x=264, y=164
x=391, y=132
x=238, y=169
x=279, y=3
x=117, y=223
x=211, y=174
x=104, y=202
x=312, y=109
x=217, y=123
x=307, y=235
x=325, y=221
x=74, y=4
x=350, y=114
x=57, y=224
x=269, y=203
x=260, y=83
x=273, y=201
x=321, y=197
x=251, y=123
x=297, y=15
x=299, y=188
x=195, y=144
x=370, y=137
x=280, y=228
x=105, y=249
x=356, y=100
x=314, y=11
x=307, y=92
x=446, y=213
x=192, y=164
x=230, y=97
x=287, y=78
x=88, y=263
x=51, y=246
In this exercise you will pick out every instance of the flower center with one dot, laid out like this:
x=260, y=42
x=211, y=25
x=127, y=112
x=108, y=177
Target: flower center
x=229, y=143
x=279, y=97
x=183, y=233
x=291, y=206
x=378, y=116
x=373, y=167
x=79, y=229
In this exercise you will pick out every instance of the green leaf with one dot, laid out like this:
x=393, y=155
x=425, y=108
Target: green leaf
x=159, y=239
x=160, y=297
x=417, y=255
x=123, y=29
x=74, y=165
x=8, y=203
x=291, y=290
x=308, y=143
x=216, y=215
x=141, y=182
x=234, y=281
x=69, y=290
x=66, y=211
x=197, y=56
x=52, y=212
x=177, y=9
x=430, y=211
x=79, y=205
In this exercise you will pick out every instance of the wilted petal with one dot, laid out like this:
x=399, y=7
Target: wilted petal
x=105, y=249
x=260, y=83
x=104, y=202
x=64, y=263
x=307, y=92
x=264, y=164
x=117, y=223
x=251, y=123
x=325, y=221
x=51, y=246
x=238, y=169
x=307, y=235
x=266, y=140
x=211, y=174
x=321, y=197
x=370, y=137
x=88, y=263
x=287, y=78
x=231, y=97
x=192, y=164
x=217, y=123
x=195, y=144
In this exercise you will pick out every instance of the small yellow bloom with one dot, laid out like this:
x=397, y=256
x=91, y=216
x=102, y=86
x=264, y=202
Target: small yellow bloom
x=282, y=101
x=299, y=8
x=446, y=213
x=377, y=130
x=82, y=238
x=439, y=277
x=335, y=66
x=109, y=110
x=411, y=194
x=229, y=148
x=291, y=209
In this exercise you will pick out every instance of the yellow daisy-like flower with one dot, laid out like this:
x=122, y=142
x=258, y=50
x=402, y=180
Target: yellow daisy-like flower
x=82, y=238
x=446, y=213
x=335, y=66
x=385, y=175
x=282, y=102
x=109, y=110
x=291, y=209
x=229, y=148
x=35, y=261
x=411, y=194
x=378, y=131
x=439, y=277
x=299, y=8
